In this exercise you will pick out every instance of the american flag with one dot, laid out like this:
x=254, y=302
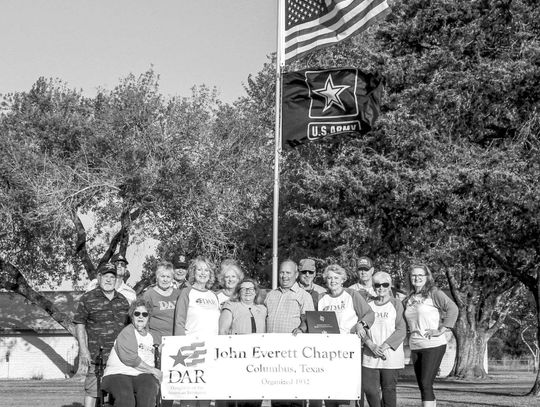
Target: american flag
x=315, y=24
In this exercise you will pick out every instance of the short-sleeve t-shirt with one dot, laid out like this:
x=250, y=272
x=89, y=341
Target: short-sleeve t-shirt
x=103, y=319
x=344, y=307
x=162, y=312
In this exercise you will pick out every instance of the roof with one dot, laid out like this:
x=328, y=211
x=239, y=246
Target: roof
x=19, y=315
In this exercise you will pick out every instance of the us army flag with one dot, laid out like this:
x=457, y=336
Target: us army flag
x=332, y=102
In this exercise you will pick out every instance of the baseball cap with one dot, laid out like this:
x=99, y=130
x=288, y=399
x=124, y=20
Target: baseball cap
x=118, y=257
x=181, y=262
x=364, y=263
x=107, y=268
x=307, y=264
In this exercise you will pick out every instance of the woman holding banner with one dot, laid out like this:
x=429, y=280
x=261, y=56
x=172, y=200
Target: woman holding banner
x=240, y=315
x=383, y=351
x=197, y=309
x=353, y=313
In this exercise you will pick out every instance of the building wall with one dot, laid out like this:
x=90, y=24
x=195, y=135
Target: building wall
x=29, y=355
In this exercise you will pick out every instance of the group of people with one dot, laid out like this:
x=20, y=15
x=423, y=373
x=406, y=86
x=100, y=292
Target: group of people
x=182, y=302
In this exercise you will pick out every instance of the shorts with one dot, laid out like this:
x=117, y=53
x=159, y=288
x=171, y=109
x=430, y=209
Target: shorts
x=90, y=383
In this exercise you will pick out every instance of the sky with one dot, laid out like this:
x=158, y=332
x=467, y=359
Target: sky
x=91, y=44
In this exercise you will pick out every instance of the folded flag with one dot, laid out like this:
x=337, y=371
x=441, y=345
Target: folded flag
x=331, y=102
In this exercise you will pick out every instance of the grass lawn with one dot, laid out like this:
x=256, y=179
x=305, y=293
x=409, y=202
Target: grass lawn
x=502, y=389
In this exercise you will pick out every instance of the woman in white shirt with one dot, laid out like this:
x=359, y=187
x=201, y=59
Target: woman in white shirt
x=353, y=314
x=130, y=375
x=383, y=351
x=197, y=309
x=429, y=314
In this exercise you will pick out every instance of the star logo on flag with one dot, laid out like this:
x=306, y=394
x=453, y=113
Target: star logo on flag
x=190, y=355
x=331, y=93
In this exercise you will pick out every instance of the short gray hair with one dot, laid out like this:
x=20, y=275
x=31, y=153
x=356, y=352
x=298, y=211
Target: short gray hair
x=167, y=265
x=337, y=269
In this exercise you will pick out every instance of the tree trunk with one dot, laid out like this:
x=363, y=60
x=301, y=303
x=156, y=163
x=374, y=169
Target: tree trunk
x=471, y=348
x=535, y=289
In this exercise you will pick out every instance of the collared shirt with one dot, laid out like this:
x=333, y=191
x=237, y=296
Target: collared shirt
x=367, y=292
x=180, y=285
x=103, y=319
x=127, y=292
x=285, y=306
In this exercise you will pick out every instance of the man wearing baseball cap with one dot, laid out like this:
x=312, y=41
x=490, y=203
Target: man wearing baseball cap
x=307, y=272
x=101, y=315
x=122, y=274
x=364, y=270
x=119, y=263
x=180, y=272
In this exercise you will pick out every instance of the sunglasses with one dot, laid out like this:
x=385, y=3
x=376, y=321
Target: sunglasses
x=138, y=314
x=307, y=272
x=378, y=285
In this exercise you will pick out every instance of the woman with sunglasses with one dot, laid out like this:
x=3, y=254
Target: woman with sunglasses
x=130, y=375
x=353, y=314
x=383, y=345
x=430, y=313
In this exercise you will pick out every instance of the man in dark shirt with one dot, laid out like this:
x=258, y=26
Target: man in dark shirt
x=101, y=315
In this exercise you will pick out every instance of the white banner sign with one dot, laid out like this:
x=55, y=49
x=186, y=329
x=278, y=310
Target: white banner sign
x=261, y=366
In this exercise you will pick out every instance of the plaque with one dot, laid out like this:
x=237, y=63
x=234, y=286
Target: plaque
x=322, y=322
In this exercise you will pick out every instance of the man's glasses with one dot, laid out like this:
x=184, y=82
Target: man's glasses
x=378, y=285
x=138, y=314
x=307, y=272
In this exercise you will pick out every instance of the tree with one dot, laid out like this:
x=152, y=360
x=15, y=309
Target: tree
x=450, y=167
x=65, y=156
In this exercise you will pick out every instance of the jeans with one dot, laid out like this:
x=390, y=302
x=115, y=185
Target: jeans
x=426, y=364
x=131, y=391
x=375, y=380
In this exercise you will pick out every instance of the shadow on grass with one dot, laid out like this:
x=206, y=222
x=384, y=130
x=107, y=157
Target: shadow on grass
x=76, y=404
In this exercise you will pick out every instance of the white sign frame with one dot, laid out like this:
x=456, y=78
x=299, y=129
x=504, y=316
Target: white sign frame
x=262, y=366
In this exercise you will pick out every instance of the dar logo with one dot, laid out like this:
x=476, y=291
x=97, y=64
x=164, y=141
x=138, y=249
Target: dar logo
x=333, y=94
x=191, y=355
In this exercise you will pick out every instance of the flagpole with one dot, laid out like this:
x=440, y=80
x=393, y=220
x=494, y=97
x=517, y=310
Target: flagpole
x=277, y=140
